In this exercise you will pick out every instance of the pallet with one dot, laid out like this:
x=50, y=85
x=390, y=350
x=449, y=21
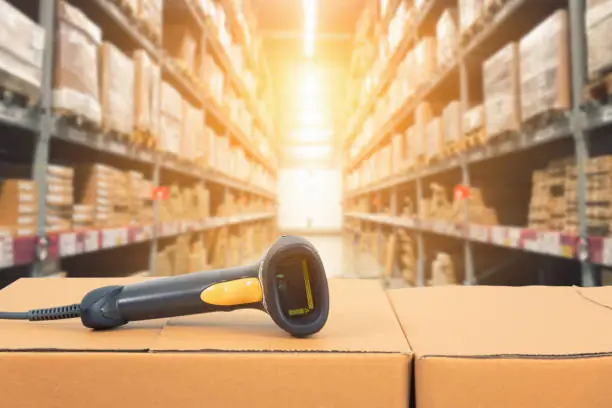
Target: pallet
x=543, y=120
x=117, y=135
x=145, y=138
x=475, y=139
x=599, y=89
x=12, y=94
x=77, y=120
x=150, y=32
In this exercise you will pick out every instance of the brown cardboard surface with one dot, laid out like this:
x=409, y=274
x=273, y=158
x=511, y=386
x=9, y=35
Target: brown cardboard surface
x=236, y=359
x=508, y=347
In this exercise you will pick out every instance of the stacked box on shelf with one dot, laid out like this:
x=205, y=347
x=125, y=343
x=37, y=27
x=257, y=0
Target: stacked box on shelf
x=398, y=27
x=452, y=126
x=434, y=140
x=192, y=147
x=21, y=50
x=198, y=258
x=171, y=114
x=212, y=77
x=116, y=91
x=150, y=13
x=407, y=255
x=501, y=89
x=75, y=83
x=447, y=36
x=473, y=122
x=83, y=217
x=397, y=153
x=418, y=143
x=545, y=70
x=19, y=203
x=60, y=198
x=106, y=189
x=598, y=26
x=425, y=61
x=552, y=198
x=147, y=84
x=469, y=12
x=139, y=200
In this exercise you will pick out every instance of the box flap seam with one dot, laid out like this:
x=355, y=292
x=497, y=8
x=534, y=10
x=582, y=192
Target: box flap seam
x=570, y=356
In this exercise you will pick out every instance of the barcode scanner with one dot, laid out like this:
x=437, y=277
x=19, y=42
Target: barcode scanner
x=289, y=284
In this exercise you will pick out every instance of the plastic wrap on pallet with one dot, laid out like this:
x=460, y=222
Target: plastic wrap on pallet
x=424, y=60
x=116, y=91
x=21, y=48
x=598, y=27
x=75, y=84
x=435, y=139
x=447, y=35
x=469, y=11
x=452, y=122
x=501, y=90
x=171, y=119
x=193, y=123
x=473, y=120
x=150, y=13
x=544, y=62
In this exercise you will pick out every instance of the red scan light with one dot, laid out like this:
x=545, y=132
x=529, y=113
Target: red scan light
x=160, y=193
x=461, y=192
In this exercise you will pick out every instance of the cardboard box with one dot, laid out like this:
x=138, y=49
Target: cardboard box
x=359, y=359
x=75, y=84
x=447, y=35
x=508, y=347
x=501, y=89
x=181, y=44
x=147, y=84
x=452, y=125
x=171, y=125
x=545, y=70
x=598, y=27
x=116, y=91
x=469, y=11
x=150, y=12
x=21, y=49
x=425, y=61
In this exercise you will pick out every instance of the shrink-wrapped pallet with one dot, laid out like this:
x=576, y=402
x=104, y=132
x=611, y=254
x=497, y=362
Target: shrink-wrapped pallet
x=75, y=84
x=435, y=140
x=469, y=11
x=473, y=120
x=150, y=13
x=116, y=91
x=452, y=122
x=424, y=61
x=501, y=90
x=423, y=115
x=21, y=48
x=171, y=119
x=147, y=83
x=598, y=28
x=544, y=62
x=447, y=35
x=193, y=128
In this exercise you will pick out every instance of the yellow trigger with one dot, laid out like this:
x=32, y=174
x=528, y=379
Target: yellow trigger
x=231, y=293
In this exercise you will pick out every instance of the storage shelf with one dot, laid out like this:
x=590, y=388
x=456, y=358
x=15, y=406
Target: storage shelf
x=12, y=115
x=20, y=251
x=550, y=243
x=526, y=140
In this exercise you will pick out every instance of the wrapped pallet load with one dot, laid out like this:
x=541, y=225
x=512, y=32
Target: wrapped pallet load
x=193, y=128
x=598, y=27
x=447, y=34
x=21, y=48
x=469, y=12
x=424, y=60
x=544, y=62
x=435, y=138
x=116, y=91
x=171, y=114
x=147, y=84
x=150, y=14
x=452, y=123
x=501, y=90
x=423, y=116
x=75, y=84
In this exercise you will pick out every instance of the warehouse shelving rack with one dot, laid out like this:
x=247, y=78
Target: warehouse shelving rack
x=45, y=251
x=592, y=253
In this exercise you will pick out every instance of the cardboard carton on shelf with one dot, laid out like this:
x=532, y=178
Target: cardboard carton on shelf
x=171, y=120
x=598, y=26
x=425, y=61
x=19, y=203
x=500, y=343
x=150, y=12
x=473, y=121
x=116, y=91
x=434, y=139
x=452, y=123
x=544, y=67
x=423, y=116
x=147, y=84
x=21, y=48
x=193, y=121
x=469, y=12
x=181, y=44
x=501, y=89
x=447, y=38
x=75, y=83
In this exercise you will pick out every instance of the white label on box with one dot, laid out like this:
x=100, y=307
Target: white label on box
x=91, y=241
x=550, y=243
x=532, y=245
x=606, y=113
x=26, y=209
x=25, y=186
x=606, y=256
x=6, y=252
x=109, y=238
x=479, y=233
x=498, y=235
x=26, y=197
x=544, y=134
x=121, y=237
x=68, y=244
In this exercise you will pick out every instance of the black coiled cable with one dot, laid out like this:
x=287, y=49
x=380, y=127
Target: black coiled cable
x=52, y=313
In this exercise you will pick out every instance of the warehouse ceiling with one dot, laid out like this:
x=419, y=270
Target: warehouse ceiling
x=281, y=25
